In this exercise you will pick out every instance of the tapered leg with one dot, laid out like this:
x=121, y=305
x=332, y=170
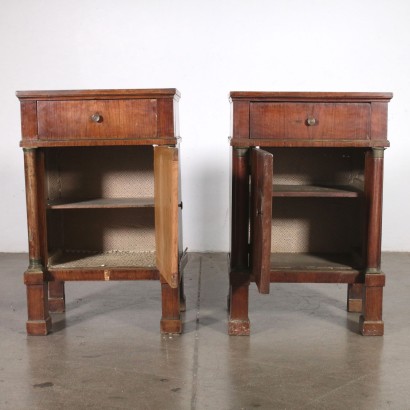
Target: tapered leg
x=239, y=276
x=56, y=297
x=354, y=297
x=371, y=323
x=171, y=317
x=39, y=321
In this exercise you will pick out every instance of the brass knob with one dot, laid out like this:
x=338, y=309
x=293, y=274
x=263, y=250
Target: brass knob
x=311, y=121
x=96, y=117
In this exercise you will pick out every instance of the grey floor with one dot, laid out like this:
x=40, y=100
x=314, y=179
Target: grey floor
x=106, y=351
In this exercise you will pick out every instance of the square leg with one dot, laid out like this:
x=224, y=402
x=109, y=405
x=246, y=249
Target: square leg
x=39, y=321
x=56, y=297
x=371, y=323
x=171, y=312
x=238, y=300
x=354, y=297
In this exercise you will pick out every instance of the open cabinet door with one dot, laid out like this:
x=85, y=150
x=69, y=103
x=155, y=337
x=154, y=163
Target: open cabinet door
x=261, y=217
x=166, y=212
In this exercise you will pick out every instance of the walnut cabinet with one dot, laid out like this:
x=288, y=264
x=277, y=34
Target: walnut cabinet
x=307, y=183
x=103, y=195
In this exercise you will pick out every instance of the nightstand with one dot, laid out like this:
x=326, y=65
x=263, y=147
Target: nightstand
x=103, y=195
x=307, y=183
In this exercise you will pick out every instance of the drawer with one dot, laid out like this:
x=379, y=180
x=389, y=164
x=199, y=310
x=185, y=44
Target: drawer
x=71, y=120
x=321, y=121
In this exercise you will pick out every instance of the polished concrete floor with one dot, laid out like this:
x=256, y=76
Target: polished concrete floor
x=106, y=352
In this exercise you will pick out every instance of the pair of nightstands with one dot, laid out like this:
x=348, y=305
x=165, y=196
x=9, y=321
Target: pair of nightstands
x=103, y=197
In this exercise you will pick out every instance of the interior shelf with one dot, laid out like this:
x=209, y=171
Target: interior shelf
x=313, y=261
x=99, y=203
x=108, y=259
x=315, y=191
x=315, y=268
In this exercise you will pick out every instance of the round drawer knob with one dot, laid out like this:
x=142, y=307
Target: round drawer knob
x=311, y=121
x=96, y=117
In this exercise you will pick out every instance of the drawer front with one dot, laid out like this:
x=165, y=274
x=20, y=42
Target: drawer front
x=321, y=121
x=97, y=119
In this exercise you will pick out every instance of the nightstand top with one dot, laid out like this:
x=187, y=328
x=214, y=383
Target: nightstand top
x=99, y=94
x=310, y=96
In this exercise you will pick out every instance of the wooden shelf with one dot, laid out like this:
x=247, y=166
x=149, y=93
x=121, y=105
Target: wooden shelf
x=315, y=191
x=313, y=261
x=315, y=268
x=101, y=203
x=105, y=260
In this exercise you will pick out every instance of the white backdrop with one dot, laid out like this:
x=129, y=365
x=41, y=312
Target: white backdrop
x=205, y=49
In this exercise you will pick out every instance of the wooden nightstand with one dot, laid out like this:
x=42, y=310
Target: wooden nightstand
x=307, y=183
x=103, y=195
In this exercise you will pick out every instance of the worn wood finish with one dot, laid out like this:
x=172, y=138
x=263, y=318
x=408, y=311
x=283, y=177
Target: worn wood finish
x=56, y=296
x=113, y=118
x=126, y=117
x=240, y=120
x=59, y=119
x=374, y=198
x=28, y=119
x=354, y=297
x=105, y=274
x=166, y=125
x=309, y=121
x=316, y=276
x=261, y=216
x=240, y=208
x=56, y=290
x=322, y=262
x=334, y=143
x=371, y=323
x=311, y=191
x=33, y=219
x=379, y=121
x=56, y=95
x=39, y=321
x=238, y=301
x=320, y=97
x=101, y=203
x=238, y=323
x=166, y=213
x=35, y=143
x=183, y=253
x=171, y=310
x=41, y=204
x=315, y=121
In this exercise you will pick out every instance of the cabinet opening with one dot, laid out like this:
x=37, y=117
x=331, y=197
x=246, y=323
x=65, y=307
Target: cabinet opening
x=317, y=208
x=100, y=207
x=315, y=233
x=97, y=177
x=337, y=172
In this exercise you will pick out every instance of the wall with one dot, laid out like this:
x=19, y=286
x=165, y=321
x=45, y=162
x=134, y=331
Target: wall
x=205, y=49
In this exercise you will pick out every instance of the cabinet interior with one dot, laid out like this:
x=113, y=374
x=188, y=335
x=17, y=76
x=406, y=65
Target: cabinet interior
x=317, y=208
x=100, y=206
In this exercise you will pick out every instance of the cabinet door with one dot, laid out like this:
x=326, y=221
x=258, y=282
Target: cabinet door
x=166, y=212
x=261, y=217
